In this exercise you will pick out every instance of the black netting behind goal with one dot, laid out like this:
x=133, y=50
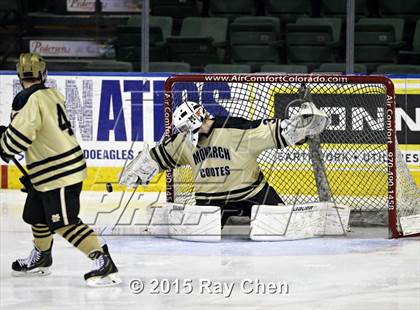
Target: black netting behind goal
x=356, y=148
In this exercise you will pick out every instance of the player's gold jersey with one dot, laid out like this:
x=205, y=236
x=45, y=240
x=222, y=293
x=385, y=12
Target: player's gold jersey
x=224, y=163
x=41, y=129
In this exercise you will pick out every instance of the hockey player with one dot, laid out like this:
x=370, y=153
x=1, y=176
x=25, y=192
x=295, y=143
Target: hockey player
x=56, y=168
x=222, y=153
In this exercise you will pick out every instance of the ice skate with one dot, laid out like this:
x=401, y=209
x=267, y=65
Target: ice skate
x=104, y=272
x=37, y=264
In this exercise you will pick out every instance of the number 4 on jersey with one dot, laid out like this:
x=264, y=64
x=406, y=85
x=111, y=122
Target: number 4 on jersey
x=63, y=122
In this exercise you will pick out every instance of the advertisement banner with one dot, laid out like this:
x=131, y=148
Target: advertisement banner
x=114, y=114
x=71, y=48
x=109, y=6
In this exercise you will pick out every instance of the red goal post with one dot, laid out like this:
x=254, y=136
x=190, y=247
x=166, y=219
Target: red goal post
x=335, y=80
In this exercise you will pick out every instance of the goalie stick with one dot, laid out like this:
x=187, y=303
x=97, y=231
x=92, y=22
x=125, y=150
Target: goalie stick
x=314, y=143
x=315, y=153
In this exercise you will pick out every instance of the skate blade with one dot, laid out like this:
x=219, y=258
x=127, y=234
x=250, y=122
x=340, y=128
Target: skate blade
x=110, y=280
x=36, y=272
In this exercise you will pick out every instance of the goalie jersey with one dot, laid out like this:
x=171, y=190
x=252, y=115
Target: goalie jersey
x=224, y=163
x=40, y=128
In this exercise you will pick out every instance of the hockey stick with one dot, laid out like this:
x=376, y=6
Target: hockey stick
x=315, y=153
x=20, y=167
x=318, y=165
x=127, y=203
x=25, y=180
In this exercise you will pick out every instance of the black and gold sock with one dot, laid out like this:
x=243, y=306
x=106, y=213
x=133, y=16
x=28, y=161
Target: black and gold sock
x=81, y=236
x=43, y=237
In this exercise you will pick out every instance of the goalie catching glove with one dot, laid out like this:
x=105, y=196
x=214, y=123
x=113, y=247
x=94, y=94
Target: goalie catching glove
x=309, y=121
x=140, y=170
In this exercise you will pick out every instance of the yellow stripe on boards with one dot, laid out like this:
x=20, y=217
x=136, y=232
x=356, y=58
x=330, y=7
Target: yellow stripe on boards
x=406, y=81
x=407, y=91
x=96, y=180
x=409, y=147
x=99, y=176
x=348, y=183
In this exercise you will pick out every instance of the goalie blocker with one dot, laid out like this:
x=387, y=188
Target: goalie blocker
x=140, y=170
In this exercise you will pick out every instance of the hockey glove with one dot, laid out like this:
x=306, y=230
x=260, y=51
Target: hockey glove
x=26, y=182
x=310, y=121
x=6, y=158
x=140, y=170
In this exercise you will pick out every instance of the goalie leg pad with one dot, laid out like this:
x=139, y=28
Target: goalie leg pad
x=410, y=224
x=291, y=222
x=195, y=223
x=190, y=223
x=157, y=218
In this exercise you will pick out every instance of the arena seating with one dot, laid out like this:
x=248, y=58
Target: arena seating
x=312, y=41
x=334, y=8
x=10, y=29
x=340, y=67
x=255, y=40
x=239, y=32
x=288, y=11
x=165, y=66
x=201, y=41
x=284, y=68
x=9, y=12
x=178, y=9
x=409, y=10
x=398, y=69
x=416, y=39
x=128, y=41
x=108, y=66
x=232, y=8
x=377, y=40
x=412, y=56
x=227, y=68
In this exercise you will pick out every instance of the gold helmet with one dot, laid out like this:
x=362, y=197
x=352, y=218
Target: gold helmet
x=31, y=66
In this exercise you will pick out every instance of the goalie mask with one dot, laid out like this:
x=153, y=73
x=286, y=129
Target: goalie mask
x=31, y=66
x=188, y=118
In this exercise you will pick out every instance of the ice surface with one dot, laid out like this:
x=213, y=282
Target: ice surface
x=362, y=271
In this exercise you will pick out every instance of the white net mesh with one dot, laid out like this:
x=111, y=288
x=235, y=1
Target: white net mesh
x=354, y=147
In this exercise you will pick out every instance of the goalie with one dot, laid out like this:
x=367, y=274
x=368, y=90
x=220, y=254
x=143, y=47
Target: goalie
x=222, y=153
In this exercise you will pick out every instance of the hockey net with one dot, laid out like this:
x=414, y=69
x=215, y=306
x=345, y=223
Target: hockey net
x=360, y=157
